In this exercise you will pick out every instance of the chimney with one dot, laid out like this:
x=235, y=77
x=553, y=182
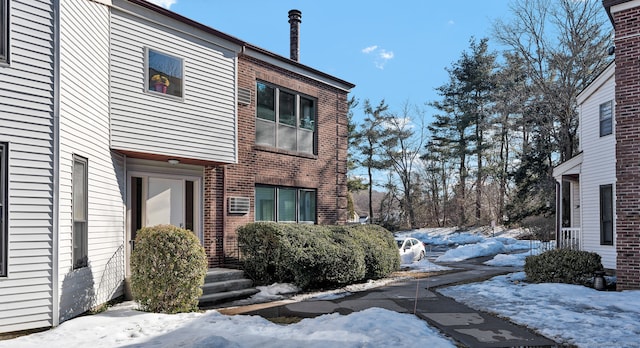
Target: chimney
x=295, y=17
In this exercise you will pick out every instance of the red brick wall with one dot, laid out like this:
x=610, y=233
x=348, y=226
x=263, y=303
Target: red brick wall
x=325, y=172
x=627, y=115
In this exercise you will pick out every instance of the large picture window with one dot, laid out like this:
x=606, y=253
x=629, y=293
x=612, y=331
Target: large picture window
x=4, y=31
x=79, y=205
x=4, y=208
x=606, y=215
x=606, y=118
x=285, y=204
x=285, y=120
x=164, y=74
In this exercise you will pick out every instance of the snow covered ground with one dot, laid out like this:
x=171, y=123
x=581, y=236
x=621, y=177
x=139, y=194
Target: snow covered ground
x=567, y=313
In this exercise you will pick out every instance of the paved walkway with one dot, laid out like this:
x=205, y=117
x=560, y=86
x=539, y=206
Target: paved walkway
x=468, y=327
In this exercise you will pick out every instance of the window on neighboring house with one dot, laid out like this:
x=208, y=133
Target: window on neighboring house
x=285, y=204
x=79, y=205
x=606, y=214
x=164, y=74
x=606, y=118
x=4, y=198
x=285, y=120
x=4, y=31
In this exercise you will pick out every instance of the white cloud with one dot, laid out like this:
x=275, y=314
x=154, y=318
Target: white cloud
x=386, y=55
x=164, y=3
x=369, y=49
x=382, y=56
x=451, y=22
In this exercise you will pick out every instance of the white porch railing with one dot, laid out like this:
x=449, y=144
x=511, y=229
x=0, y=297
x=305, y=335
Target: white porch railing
x=570, y=238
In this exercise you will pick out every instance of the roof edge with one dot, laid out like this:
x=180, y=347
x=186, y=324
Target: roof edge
x=173, y=15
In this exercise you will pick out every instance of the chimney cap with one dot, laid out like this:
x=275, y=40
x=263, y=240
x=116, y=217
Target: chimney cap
x=295, y=15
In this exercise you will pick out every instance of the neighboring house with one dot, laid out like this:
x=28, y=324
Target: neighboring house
x=599, y=189
x=119, y=114
x=624, y=15
x=586, y=182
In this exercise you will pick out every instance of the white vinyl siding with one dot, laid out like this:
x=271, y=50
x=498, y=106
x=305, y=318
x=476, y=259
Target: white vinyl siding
x=84, y=132
x=27, y=125
x=202, y=123
x=598, y=167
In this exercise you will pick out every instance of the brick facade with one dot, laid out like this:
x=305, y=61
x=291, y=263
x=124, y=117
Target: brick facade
x=627, y=75
x=326, y=172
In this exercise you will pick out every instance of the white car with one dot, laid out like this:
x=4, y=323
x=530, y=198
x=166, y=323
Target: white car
x=410, y=249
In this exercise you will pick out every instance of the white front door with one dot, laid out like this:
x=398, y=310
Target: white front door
x=165, y=202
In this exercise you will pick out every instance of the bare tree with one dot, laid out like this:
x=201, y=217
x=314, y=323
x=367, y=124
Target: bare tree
x=563, y=46
x=402, y=142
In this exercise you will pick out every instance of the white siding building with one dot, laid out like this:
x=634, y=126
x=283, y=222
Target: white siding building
x=85, y=139
x=586, y=204
x=28, y=145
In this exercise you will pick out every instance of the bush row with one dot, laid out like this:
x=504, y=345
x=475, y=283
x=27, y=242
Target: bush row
x=562, y=266
x=315, y=256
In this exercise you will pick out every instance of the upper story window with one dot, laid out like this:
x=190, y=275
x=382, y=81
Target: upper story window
x=285, y=120
x=164, y=73
x=606, y=118
x=4, y=31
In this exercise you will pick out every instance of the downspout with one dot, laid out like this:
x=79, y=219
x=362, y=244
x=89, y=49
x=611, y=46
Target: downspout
x=222, y=257
x=55, y=302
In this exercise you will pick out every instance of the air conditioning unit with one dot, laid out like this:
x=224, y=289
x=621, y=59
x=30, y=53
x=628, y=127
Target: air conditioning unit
x=238, y=205
x=244, y=96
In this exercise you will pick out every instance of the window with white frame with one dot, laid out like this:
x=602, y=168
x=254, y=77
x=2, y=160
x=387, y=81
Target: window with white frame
x=79, y=205
x=4, y=197
x=4, y=31
x=164, y=73
x=285, y=119
x=606, y=118
x=285, y=204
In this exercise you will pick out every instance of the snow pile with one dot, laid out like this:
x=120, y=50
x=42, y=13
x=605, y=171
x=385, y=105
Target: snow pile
x=575, y=314
x=447, y=236
x=487, y=247
x=124, y=326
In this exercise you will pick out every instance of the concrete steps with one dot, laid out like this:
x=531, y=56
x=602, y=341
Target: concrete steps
x=225, y=285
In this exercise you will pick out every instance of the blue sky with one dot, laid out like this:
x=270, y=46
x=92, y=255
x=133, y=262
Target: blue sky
x=392, y=50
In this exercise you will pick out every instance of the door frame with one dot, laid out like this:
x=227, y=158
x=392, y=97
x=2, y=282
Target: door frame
x=198, y=206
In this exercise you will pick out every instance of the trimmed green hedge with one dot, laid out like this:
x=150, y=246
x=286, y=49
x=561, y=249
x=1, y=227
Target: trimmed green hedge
x=168, y=266
x=562, y=266
x=314, y=256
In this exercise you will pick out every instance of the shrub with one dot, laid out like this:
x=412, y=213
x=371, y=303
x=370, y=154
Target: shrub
x=261, y=246
x=562, y=266
x=168, y=266
x=313, y=256
x=381, y=255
